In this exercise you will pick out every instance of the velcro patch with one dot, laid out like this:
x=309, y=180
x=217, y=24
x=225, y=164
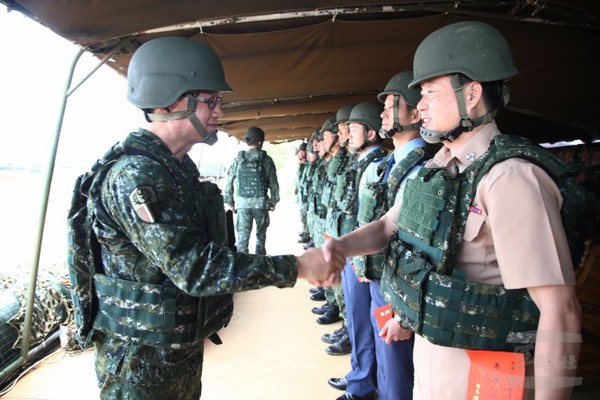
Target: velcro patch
x=145, y=203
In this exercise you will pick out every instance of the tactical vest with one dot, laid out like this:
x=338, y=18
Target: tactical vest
x=342, y=218
x=336, y=165
x=158, y=315
x=375, y=200
x=314, y=198
x=419, y=278
x=250, y=175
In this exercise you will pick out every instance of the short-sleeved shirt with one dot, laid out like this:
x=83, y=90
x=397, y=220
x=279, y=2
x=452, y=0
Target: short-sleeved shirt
x=517, y=240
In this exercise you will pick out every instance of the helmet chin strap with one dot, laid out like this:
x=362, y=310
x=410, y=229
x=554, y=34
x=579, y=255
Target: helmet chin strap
x=189, y=114
x=397, y=128
x=466, y=124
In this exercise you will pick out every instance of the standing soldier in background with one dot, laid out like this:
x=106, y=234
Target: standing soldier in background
x=161, y=234
x=251, y=178
x=338, y=341
x=400, y=121
x=304, y=235
x=364, y=123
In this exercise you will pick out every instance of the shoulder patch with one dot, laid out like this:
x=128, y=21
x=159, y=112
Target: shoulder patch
x=145, y=203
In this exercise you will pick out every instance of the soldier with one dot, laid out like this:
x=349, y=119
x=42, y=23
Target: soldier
x=162, y=233
x=303, y=235
x=472, y=270
x=338, y=341
x=251, y=179
x=400, y=122
x=364, y=123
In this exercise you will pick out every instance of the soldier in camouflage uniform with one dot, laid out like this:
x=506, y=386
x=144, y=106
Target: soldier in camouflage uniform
x=490, y=252
x=303, y=235
x=250, y=180
x=339, y=342
x=364, y=123
x=162, y=233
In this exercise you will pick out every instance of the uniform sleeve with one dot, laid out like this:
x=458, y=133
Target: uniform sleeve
x=273, y=183
x=177, y=243
x=228, y=192
x=523, y=206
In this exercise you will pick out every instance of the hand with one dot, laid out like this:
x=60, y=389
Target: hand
x=393, y=332
x=319, y=269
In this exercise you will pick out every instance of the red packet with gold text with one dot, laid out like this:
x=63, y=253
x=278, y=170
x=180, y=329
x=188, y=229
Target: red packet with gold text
x=496, y=375
x=383, y=315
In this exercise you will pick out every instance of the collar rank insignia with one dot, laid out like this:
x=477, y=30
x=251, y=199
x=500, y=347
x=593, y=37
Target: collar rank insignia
x=471, y=156
x=145, y=203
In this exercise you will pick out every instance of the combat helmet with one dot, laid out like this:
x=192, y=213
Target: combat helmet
x=398, y=86
x=165, y=68
x=369, y=115
x=254, y=135
x=474, y=49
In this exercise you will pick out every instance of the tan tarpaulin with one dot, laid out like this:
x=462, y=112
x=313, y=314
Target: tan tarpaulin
x=290, y=73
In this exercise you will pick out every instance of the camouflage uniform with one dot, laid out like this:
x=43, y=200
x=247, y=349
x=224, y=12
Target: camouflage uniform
x=162, y=238
x=255, y=207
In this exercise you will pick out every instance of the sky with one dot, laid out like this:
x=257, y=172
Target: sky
x=35, y=64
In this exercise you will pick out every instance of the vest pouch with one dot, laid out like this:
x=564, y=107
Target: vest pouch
x=327, y=193
x=470, y=315
x=405, y=273
x=331, y=223
x=372, y=201
x=374, y=267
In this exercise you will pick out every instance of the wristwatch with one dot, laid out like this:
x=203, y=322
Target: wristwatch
x=399, y=320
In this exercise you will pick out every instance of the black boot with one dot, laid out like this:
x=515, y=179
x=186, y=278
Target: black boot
x=332, y=315
x=341, y=347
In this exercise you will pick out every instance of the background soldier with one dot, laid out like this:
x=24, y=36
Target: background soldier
x=301, y=200
x=251, y=178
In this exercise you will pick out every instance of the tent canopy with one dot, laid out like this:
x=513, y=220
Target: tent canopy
x=292, y=64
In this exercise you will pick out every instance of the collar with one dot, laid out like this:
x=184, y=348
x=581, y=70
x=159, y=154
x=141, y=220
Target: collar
x=368, y=150
x=469, y=151
x=403, y=151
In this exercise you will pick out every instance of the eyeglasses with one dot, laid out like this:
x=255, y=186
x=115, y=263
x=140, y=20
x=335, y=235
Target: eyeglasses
x=210, y=101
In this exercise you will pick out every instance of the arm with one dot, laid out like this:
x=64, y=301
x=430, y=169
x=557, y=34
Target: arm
x=228, y=191
x=558, y=341
x=273, y=183
x=368, y=239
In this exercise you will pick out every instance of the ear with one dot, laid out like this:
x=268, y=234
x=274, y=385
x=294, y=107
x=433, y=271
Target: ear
x=372, y=136
x=415, y=116
x=473, y=94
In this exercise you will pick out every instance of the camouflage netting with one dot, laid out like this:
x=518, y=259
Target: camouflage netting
x=52, y=308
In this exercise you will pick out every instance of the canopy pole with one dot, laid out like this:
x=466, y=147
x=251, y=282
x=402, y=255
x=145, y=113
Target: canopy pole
x=42, y=216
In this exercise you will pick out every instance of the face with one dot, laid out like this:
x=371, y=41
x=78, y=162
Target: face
x=301, y=155
x=343, y=132
x=207, y=117
x=329, y=140
x=322, y=149
x=406, y=115
x=438, y=107
x=357, y=134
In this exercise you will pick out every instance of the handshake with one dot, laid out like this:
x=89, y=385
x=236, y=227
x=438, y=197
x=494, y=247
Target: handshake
x=322, y=266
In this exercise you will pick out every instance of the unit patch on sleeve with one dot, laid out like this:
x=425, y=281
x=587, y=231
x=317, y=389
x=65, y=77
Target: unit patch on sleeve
x=145, y=203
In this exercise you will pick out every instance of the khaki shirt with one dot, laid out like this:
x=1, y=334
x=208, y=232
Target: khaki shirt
x=516, y=240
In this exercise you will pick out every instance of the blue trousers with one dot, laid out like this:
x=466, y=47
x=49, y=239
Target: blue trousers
x=362, y=378
x=395, y=371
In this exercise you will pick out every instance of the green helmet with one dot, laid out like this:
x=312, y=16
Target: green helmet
x=474, y=49
x=254, y=135
x=163, y=69
x=343, y=113
x=329, y=125
x=398, y=85
x=368, y=113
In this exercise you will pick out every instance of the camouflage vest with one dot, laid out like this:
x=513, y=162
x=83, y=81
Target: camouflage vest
x=375, y=200
x=419, y=278
x=342, y=218
x=250, y=175
x=155, y=315
x=314, y=198
x=336, y=165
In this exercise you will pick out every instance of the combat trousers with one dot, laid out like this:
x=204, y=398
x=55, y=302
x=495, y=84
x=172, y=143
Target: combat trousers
x=362, y=378
x=245, y=217
x=127, y=371
x=395, y=371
